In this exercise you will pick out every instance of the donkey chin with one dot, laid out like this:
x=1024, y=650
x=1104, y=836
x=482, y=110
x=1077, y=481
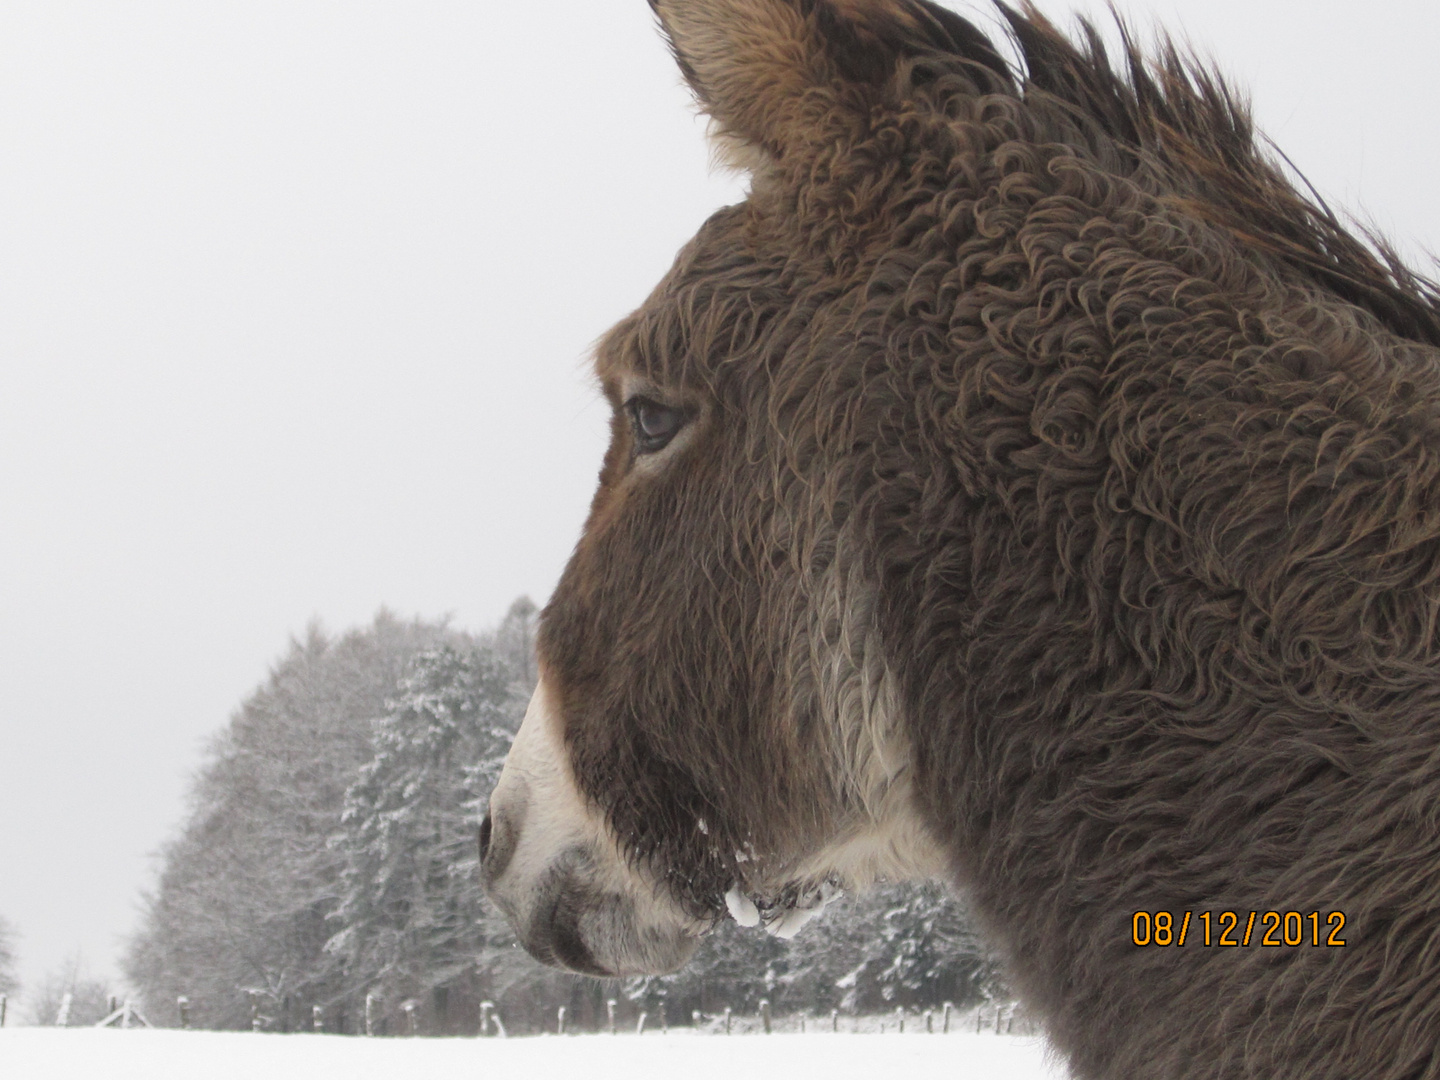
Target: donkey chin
x=550, y=862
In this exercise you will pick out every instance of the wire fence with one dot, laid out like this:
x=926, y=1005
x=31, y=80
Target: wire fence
x=998, y=1018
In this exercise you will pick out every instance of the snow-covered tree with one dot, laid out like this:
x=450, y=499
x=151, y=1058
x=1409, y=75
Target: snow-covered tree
x=245, y=892
x=9, y=983
x=919, y=948
x=515, y=642
x=413, y=922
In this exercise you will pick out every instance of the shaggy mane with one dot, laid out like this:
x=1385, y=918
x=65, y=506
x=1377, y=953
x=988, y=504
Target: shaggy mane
x=1178, y=112
x=1172, y=110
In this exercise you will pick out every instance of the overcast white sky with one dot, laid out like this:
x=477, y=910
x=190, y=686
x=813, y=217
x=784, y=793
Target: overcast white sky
x=295, y=299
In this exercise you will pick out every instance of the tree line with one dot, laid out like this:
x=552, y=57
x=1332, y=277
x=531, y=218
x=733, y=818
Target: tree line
x=326, y=871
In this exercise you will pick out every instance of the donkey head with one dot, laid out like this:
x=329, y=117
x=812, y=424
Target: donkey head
x=716, y=723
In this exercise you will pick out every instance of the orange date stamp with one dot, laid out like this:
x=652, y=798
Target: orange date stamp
x=1237, y=929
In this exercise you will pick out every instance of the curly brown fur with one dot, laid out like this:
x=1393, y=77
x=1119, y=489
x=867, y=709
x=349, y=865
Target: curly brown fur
x=1054, y=435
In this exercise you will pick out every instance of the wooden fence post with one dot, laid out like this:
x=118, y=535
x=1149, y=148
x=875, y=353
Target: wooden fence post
x=183, y=1004
x=765, y=1014
x=727, y=1019
x=610, y=1013
x=3, y=1002
x=945, y=1028
x=317, y=1019
x=560, y=1021
x=410, y=1021
x=664, y=1020
x=371, y=1002
x=640, y=1024
x=900, y=1019
x=929, y=1023
x=835, y=1020
x=485, y=1009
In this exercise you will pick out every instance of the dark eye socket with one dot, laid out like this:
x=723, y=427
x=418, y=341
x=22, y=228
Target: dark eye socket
x=654, y=424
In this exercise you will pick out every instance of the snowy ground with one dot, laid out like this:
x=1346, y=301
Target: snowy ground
x=90, y=1054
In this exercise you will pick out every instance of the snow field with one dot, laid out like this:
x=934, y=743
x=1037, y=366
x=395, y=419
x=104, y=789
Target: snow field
x=99, y=1054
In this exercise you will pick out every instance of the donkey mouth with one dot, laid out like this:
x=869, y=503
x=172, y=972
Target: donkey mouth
x=554, y=935
x=580, y=926
x=570, y=913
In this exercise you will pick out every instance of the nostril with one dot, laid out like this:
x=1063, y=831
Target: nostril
x=484, y=837
x=499, y=833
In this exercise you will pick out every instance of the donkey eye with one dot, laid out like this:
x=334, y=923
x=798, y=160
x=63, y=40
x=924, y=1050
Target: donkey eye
x=654, y=424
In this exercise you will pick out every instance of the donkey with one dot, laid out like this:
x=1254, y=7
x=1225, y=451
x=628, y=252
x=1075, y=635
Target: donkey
x=1028, y=486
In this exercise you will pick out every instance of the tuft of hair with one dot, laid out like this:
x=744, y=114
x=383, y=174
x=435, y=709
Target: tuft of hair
x=1179, y=112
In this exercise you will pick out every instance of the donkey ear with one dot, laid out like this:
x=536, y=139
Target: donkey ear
x=779, y=73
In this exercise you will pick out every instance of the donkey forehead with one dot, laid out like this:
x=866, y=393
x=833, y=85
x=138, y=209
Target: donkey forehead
x=710, y=312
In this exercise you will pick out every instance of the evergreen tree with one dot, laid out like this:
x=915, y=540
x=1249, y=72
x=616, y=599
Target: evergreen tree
x=241, y=911
x=924, y=950
x=515, y=642
x=413, y=920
